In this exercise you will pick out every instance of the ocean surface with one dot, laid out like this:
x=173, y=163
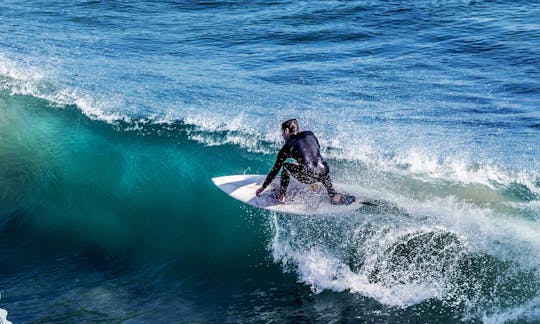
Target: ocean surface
x=115, y=115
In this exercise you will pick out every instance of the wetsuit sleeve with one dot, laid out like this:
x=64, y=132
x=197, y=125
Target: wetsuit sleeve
x=315, y=137
x=317, y=140
x=281, y=157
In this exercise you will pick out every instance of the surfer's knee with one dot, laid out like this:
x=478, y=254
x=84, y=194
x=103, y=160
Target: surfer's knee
x=287, y=167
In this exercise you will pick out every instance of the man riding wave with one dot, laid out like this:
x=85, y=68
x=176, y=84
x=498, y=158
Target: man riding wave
x=310, y=167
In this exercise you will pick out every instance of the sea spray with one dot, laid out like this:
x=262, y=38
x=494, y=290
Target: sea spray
x=3, y=317
x=402, y=258
x=115, y=115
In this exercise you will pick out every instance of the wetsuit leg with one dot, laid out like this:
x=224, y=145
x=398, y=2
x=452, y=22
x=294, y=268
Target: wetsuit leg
x=295, y=170
x=285, y=178
x=328, y=185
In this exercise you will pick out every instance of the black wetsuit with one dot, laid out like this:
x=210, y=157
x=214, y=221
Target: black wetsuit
x=311, y=168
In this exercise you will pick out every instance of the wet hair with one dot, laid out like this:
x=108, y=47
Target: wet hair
x=291, y=125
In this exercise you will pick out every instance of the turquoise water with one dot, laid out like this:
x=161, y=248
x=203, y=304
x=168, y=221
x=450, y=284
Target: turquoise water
x=114, y=116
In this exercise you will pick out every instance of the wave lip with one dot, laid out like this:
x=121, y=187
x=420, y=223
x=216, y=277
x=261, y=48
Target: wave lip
x=256, y=134
x=32, y=81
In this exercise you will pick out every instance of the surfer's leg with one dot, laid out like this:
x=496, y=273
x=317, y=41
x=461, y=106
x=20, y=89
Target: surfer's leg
x=336, y=198
x=295, y=170
x=328, y=185
x=285, y=178
x=284, y=183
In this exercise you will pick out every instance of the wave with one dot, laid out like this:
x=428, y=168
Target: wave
x=415, y=162
x=456, y=230
x=85, y=180
x=26, y=80
x=415, y=170
x=528, y=312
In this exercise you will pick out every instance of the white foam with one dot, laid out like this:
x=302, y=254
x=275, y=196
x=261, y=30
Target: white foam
x=240, y=130
x=416, y=163
x=429, y=167
x=218, y=124
x=3, y=317
x=322, y=269
x=486, y=230
x=528, y=312
x=323, y=264
x=29, y=80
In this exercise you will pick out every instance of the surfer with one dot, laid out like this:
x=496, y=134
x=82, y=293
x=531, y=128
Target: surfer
x=311, y=167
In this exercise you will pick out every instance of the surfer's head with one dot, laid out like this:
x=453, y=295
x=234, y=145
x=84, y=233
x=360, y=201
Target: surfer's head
x=288, y=128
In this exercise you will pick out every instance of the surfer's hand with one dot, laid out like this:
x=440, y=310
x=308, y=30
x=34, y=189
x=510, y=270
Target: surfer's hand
x=259, y=191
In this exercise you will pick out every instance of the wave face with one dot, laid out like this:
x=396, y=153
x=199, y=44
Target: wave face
x=114, y=117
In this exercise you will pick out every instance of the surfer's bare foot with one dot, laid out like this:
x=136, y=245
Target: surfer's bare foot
x=281, y=199
x=337, y=199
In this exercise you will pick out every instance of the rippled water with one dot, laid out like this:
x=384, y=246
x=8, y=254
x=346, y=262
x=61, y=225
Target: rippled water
x=115, y=115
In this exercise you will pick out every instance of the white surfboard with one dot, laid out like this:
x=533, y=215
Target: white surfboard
x=302, y=199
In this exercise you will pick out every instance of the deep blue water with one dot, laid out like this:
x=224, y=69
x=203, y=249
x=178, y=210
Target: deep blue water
x=115, y=115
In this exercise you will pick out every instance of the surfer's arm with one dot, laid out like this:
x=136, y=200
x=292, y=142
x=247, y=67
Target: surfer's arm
x=316, y=140
x=281, y=157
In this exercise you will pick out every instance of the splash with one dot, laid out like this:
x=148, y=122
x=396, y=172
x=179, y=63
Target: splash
x=29, y=80
x=411, y=251
x=394, y=266
x=3, y=317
